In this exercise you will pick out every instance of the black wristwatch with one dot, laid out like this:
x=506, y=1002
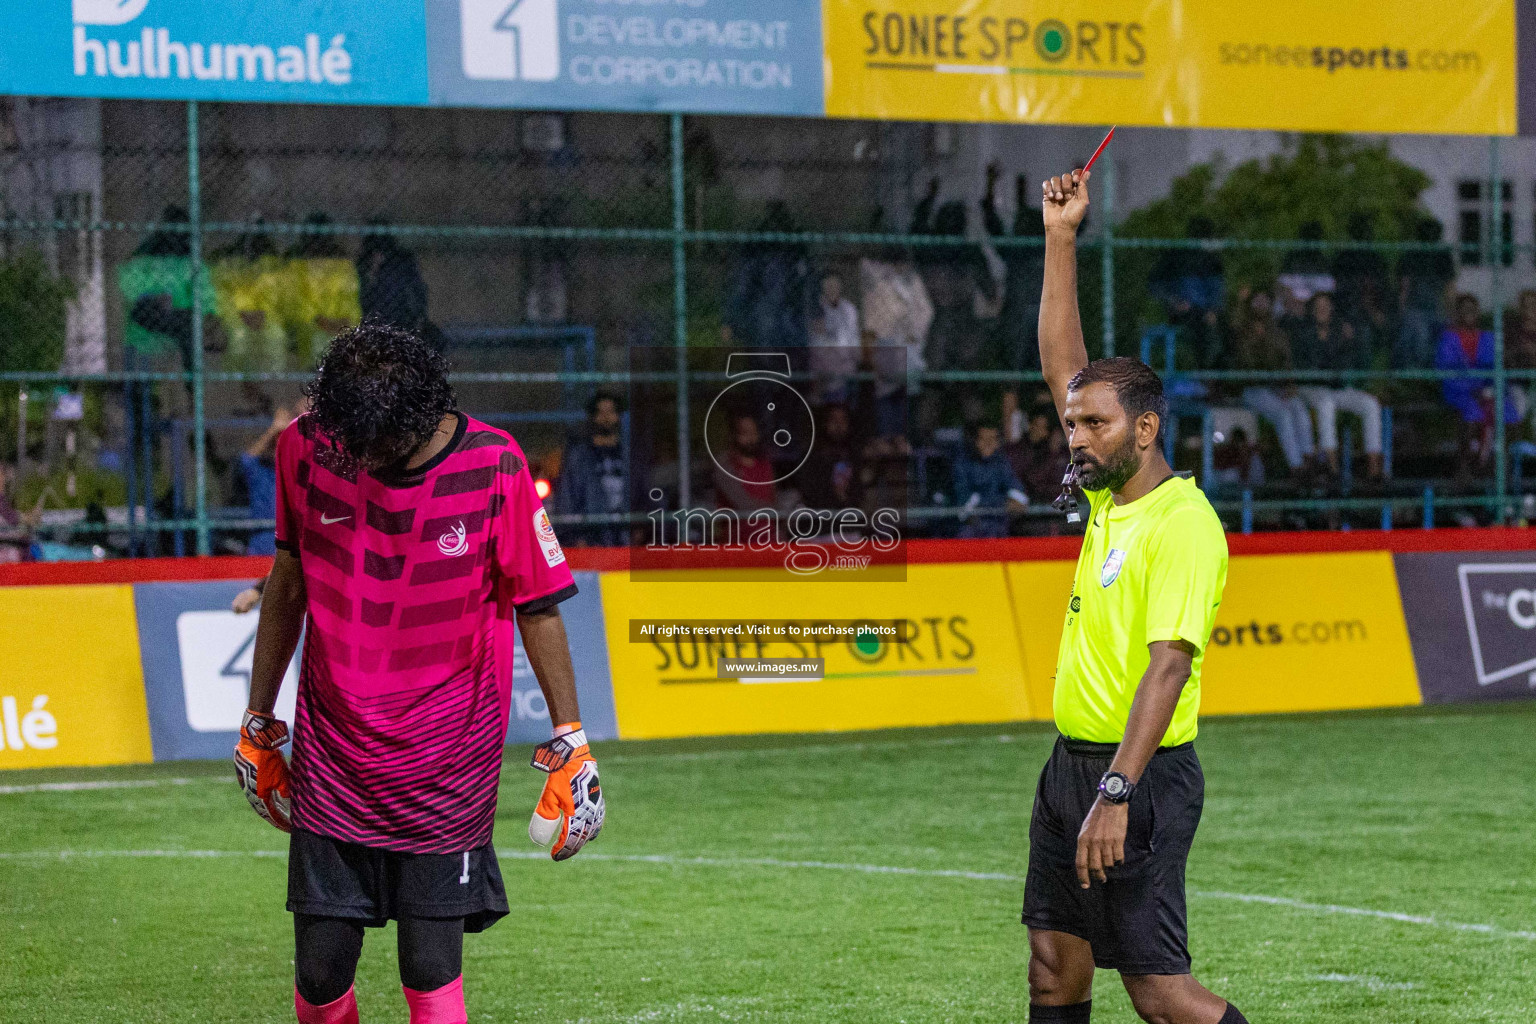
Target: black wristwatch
x=1115, y=788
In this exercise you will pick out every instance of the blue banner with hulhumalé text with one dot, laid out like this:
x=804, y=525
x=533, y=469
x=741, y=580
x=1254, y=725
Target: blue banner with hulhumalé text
x=297, y=51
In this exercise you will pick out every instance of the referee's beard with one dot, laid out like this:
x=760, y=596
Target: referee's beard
x=1112, y=472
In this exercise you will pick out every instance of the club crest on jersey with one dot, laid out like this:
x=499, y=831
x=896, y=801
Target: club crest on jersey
x=455, y=542
x=545, y=531
x=1111, y=568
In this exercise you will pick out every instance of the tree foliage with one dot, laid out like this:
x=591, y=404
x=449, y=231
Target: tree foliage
x=1323, y=178
x=1327, y=179
x=33, y=313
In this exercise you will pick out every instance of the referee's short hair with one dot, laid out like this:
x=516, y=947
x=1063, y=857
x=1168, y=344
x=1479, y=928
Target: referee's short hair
x=1136, y=385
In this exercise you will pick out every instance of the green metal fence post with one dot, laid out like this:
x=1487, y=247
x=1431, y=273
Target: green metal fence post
x=1107, y=257
x=199, y=432
x=680, y=316
x=1500, y=376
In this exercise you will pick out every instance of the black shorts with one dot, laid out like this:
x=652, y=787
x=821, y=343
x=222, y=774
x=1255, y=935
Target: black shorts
x=330, y=878
x=1135, y=921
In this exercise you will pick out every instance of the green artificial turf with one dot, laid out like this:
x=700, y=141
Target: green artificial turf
x=737, y=881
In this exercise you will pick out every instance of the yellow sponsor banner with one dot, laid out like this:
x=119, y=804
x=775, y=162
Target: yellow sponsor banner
x=1039, y=593
x=71, y=684
x=1302, y=65
x=1313, y=632
x=958, y=660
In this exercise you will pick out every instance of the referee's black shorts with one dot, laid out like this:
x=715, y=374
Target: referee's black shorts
x=1136, y=921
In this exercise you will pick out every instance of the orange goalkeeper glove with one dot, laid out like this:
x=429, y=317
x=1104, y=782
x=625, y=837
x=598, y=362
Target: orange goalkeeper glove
x=261, y=769
x=571, y=809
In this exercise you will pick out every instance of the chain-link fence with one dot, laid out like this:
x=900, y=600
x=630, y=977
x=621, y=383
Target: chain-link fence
x=170, y=273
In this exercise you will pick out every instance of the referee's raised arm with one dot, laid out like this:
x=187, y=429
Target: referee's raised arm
x=1062, y=352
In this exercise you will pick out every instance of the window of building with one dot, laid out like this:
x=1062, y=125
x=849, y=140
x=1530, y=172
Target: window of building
x=1474, y=200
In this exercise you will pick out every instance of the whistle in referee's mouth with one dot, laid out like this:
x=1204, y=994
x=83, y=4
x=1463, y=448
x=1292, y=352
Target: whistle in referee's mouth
x=1066, y=501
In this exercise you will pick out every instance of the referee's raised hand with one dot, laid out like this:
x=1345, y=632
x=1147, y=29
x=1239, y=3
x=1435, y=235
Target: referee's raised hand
x=1101, y=841
x=1064, y=200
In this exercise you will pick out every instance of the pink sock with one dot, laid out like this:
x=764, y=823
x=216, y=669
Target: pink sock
x=339, y=1011
x=440, y=1006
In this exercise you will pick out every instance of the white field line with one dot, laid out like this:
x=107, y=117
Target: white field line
x=1045, y=737
x=715, y=1009
x=635, y=858
x=1492, y=931
x=1385, y=915
x=82, y=787
x=1367, y=981
x=774, y=862
x=680, y=755
x=683, y=755
x=66, y=855
x=816, y=748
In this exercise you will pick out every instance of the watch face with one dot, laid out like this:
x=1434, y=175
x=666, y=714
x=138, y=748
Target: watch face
x=1114, y=787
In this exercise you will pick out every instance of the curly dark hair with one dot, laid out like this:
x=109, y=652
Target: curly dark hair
x=379, y=394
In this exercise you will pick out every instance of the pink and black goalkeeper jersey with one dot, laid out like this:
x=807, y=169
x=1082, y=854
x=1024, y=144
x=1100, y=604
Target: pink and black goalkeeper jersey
x=406, y=677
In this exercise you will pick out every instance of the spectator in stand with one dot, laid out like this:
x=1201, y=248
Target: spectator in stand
x=156, y=285
x=595, y=476
x=391, y=289
x=1424, y=279
x=15, y=526
x=1190, y=282
x=1018, y=346
x=1014, y=420
x=896, y=314
x=1260, y=344
x=1257, y=343
x=248, y=279
x=249, y=599
x=323, y=286
x=547, y=272
x=836, y=345
x=1520, y=343
x=1038, y=454
x=1304, y=272
x=1327, y=343
x=1465, y=345
x=832, y=477
x=765, y=302
x=1361, y=279
x=258, y=465
x=1237, y=460
x=965, y=282
x=745, y=480
x=984, y=480
x=1520, y=333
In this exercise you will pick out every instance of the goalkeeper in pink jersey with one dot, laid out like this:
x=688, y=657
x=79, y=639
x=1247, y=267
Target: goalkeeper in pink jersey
x=409, y=537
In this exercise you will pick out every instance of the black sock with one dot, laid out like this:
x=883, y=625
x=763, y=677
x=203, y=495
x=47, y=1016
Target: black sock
x=1077, y=1013
x=325, y=952
x=431, y=952
x=1232, y=1016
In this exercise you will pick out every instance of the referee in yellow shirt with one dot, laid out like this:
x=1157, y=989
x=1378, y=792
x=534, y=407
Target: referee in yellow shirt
x=1119, y=800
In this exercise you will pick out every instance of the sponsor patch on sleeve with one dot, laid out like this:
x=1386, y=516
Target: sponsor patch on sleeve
x=548, y=543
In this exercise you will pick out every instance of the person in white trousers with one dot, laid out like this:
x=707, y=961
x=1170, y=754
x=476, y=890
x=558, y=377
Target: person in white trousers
x=1326, y=343
x=1327, y=403
x=1287, y=412
x=1258, y=344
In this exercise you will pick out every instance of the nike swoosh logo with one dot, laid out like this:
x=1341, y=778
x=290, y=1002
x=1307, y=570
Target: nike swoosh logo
x=327, y=520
